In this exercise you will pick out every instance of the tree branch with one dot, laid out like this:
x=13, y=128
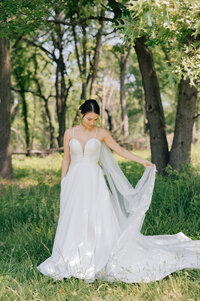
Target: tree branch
x=32, y=92
x=49, y=54
x=76, y=49
x=68, y=88
x=80, y=21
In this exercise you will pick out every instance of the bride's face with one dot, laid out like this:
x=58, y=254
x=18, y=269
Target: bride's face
x=90, y=120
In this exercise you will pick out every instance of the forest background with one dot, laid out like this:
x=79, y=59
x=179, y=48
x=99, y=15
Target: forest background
x=139, y=59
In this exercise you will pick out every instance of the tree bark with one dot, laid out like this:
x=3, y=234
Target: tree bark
x=103, y=106
x=93, y=86
x=145, y=122
x=123, y=66
x=84, y=62
x=181, y=146
x=46, y=106
x=60, y=86
x=154, y=109
x=25, y=118
x=5, y=98
x=82, y=66
x=34, y=124
x=60, y=104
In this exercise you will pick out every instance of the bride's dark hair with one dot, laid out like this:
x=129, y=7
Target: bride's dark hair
x=90, y=105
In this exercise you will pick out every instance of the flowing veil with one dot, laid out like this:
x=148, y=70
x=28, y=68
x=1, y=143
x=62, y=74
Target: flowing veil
x=131, y=203
x=137, y=257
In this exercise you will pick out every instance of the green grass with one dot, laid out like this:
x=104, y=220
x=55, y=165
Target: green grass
x=28, y=218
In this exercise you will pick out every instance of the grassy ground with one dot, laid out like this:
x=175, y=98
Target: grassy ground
x=28, y=218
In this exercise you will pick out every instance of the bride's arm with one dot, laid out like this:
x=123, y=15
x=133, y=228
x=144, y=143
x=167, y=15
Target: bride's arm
x=66, y=158
x=111, y=143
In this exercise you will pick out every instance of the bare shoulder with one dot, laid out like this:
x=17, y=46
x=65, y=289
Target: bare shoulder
x=102, y=133
x=68, y=134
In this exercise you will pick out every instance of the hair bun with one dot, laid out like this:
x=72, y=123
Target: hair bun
x=90, y=105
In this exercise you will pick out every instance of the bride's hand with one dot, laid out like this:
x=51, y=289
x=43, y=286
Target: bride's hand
x=147, y=163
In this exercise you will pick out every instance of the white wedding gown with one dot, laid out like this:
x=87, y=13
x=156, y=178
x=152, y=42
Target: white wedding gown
x=98, y=232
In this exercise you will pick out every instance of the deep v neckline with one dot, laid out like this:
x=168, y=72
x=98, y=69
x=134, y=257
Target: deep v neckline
x=83, y=148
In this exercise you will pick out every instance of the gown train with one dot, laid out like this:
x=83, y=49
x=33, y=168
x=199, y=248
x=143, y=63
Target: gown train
x=98, y=233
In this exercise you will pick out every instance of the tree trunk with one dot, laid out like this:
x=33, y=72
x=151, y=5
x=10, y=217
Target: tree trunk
x=154, y=109
x=25, y=118
x=34, y=124
x=82, y=66
x=123, y=66
x=84, y=62
x=61, y=94
x=181, y=146
x=109, y=120
x=60, y=107
x=103, y=106
x=145, y=122
x=5, y=97
x=93, y=86
x=51, y=127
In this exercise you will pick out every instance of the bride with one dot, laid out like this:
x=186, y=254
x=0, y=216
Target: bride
x=98, y=233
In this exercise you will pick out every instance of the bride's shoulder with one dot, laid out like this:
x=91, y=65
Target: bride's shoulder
x=99, y=129
x=102, y=132
x=69, y=132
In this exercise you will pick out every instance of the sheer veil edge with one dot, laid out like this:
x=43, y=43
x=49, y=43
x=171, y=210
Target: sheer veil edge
x=130, y=203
